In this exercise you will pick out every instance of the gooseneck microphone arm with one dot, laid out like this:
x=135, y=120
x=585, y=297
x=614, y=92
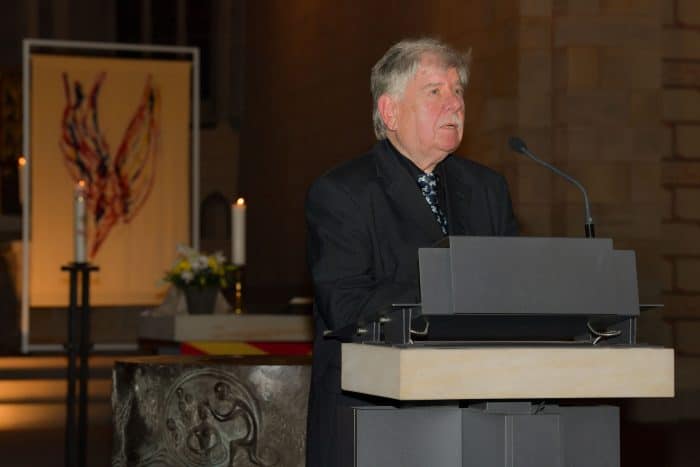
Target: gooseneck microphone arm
x=518, y=145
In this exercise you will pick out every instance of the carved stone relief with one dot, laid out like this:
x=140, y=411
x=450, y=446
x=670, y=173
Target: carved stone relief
x=210, y=412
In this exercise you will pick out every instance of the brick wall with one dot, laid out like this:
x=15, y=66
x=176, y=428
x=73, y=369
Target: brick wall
x=681, y=165
x=681, y=190
x=532, y=186
x=609, y=91
x=589, y=100
x=606, y=128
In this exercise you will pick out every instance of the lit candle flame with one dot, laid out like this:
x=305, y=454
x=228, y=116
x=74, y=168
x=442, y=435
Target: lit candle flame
x=240, y=202
x=21, y=169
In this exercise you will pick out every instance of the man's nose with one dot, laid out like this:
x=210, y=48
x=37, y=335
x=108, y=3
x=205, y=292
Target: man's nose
x=454, y=102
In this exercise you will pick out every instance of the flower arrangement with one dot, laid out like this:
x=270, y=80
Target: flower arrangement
x=196, y=269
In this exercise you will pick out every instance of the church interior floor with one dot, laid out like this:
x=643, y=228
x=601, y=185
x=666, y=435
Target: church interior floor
x=32, y=416
x=32, y=411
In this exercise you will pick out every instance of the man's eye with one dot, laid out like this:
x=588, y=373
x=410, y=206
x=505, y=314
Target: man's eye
x=459, y=91
x=435, y=92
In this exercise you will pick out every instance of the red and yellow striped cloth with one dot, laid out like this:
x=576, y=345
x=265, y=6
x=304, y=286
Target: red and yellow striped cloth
x=245, y=348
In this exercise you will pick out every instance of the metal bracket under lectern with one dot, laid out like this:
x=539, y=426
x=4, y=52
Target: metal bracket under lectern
x=404, y=324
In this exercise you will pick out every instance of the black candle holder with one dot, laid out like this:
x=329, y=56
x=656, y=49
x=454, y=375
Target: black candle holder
x=76, y=453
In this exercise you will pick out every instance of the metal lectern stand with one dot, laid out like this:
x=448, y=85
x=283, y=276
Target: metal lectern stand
x=486, y=371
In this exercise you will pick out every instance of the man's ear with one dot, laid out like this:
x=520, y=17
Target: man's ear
x=388, y=110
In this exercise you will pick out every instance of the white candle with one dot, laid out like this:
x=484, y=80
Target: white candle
x=238, y=232
x=79, y=231
x=21, y=167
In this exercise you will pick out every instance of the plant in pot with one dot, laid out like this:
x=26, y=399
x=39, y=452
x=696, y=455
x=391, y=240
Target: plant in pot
x=200, y=277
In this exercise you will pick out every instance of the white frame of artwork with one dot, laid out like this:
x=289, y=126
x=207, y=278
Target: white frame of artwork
x=62, y=46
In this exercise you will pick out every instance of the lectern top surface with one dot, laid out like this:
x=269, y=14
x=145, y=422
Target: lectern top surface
x=483, y=373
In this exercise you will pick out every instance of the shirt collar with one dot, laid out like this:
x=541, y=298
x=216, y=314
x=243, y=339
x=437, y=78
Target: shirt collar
x=405, y=161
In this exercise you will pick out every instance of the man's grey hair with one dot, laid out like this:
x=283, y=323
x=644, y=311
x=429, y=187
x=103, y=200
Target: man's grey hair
x=400, y=63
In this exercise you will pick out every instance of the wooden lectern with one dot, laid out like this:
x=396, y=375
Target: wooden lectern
x=499, y=364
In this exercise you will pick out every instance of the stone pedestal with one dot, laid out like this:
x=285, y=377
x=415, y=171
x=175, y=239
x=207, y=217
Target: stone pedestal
x=214, y=411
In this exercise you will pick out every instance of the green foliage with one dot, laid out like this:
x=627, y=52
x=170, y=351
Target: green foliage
x=196, y=269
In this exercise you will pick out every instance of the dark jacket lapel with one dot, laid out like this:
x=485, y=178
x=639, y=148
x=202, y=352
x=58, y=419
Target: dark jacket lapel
x=458, y=191
x=404, y=192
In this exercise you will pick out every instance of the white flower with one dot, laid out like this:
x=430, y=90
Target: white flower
x=194, y=267
x=200, y=263
x=184, y=250
x=187, y=276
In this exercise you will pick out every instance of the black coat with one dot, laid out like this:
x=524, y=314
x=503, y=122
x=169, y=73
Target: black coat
x=366, y=220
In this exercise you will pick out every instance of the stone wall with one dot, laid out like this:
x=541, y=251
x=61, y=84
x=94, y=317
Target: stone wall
x=589, y=102
x=680, y=215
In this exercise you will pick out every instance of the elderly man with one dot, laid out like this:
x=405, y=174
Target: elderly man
x=368, y=217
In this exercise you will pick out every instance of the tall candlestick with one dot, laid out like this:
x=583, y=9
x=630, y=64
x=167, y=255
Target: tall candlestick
x=238, y=232
x=79, y=230
x=21, y=167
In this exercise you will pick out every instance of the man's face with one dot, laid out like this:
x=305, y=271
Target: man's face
x=429, y=116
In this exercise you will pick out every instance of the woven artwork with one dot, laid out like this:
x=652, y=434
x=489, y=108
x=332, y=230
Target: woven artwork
x=122, y=127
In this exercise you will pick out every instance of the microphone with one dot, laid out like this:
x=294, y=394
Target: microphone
x=518, y=145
